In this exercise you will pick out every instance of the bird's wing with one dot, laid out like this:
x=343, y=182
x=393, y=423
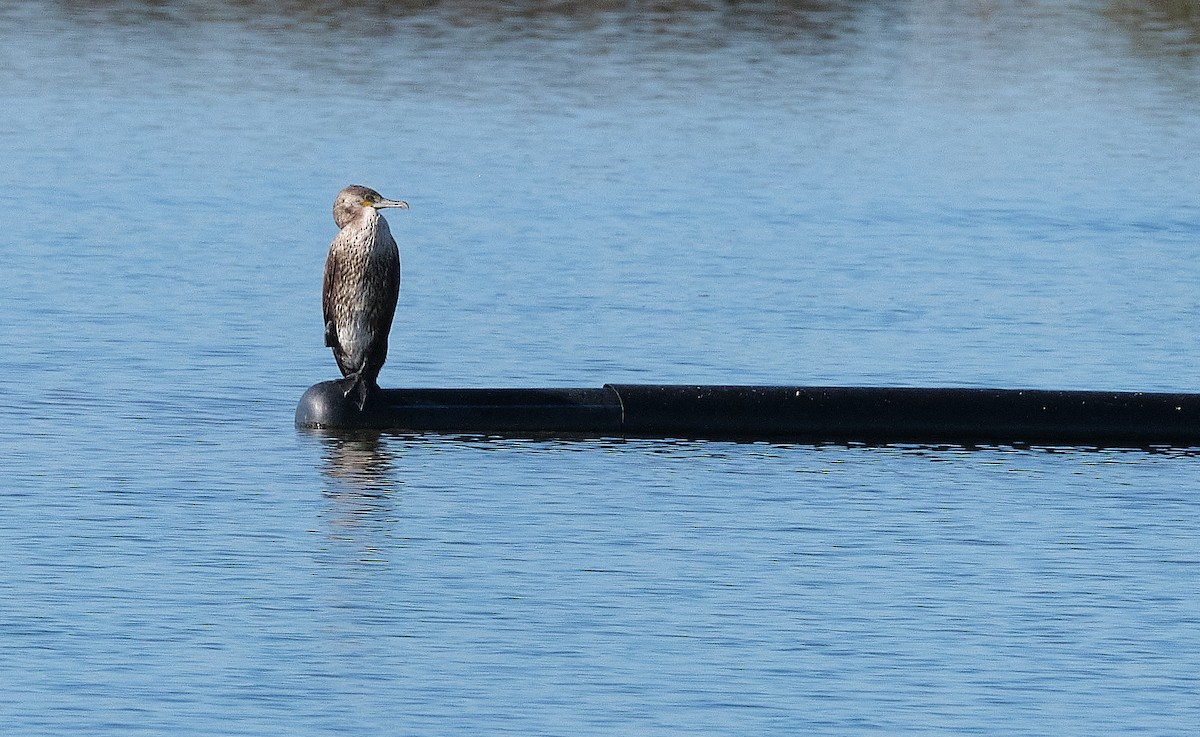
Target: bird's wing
x=331, y=275
x=391, y=294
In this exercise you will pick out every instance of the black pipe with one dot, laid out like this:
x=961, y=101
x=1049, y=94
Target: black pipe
x=892, y=415
x=798, y=414
x=585, y=411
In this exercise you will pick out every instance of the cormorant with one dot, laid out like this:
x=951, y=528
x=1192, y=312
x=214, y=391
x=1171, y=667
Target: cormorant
x=362, y=282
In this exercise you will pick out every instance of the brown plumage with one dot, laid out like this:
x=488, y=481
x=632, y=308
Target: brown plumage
x=362, y=282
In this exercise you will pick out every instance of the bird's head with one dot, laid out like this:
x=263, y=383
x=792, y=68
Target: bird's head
x=353, y=199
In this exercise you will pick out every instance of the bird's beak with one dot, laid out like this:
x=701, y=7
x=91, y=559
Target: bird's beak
x=391, y=203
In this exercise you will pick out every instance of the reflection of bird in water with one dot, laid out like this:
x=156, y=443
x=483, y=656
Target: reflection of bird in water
x=358, y=462
x=362, y=282
x=362, y=478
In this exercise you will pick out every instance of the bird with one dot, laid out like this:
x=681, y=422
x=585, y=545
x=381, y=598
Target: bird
x=361, y=286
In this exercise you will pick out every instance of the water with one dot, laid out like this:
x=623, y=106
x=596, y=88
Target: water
x=967, y=194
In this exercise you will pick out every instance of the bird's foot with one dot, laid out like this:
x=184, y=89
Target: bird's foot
x=358, y=391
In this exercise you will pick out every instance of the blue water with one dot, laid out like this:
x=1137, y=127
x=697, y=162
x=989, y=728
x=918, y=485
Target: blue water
x=926, y=194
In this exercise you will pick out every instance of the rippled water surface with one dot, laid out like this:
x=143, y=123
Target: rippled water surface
x=777, y=192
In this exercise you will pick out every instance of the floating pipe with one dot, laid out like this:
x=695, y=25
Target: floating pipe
x=582, y=411
x=782, y=413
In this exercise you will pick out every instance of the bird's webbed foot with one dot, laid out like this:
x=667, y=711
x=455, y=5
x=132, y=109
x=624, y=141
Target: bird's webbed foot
x=358, y=390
